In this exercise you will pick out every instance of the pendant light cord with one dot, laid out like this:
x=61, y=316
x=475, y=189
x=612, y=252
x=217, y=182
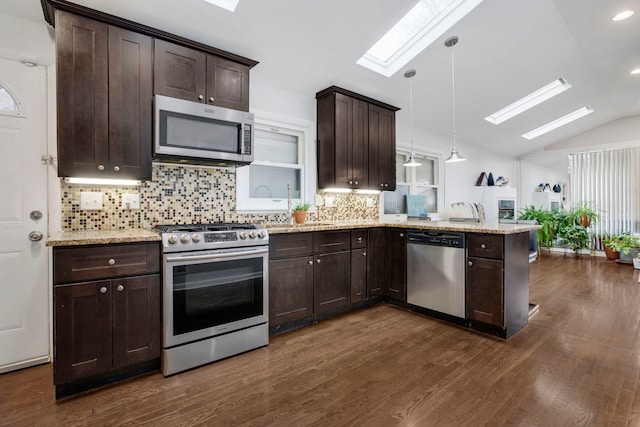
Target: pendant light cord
x=411, y=105
x=453, y=91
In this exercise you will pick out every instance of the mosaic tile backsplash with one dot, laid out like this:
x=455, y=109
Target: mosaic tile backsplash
x=188, y=195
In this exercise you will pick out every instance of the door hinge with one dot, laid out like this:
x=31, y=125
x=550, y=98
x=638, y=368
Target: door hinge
x=47, y=160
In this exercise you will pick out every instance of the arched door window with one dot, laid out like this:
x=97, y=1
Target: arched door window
x=9, y=103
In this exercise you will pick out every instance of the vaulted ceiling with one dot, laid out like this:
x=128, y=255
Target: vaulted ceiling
x=507, y=49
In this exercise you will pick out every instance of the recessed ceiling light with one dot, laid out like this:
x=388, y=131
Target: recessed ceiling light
x=534, y=98
x=230, y=5
x=636, y=71
x=558, y=122
x=622, y=15
x=422, y=25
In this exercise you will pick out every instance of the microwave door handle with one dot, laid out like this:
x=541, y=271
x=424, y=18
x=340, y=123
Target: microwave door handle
x=210, y=256
x=242, y=138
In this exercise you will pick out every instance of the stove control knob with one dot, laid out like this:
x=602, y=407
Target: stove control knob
x=252, y=234
x=243, y=235
x=261, y=234
x=184, y=238
x=196, y=238
x=172, y=240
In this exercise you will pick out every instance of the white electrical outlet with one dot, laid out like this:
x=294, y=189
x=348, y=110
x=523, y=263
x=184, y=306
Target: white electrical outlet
x=90, y=200
x=369, y=202
x=328, y=201
x=131, y=201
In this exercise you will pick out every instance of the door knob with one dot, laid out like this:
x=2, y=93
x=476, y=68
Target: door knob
x=35, y=236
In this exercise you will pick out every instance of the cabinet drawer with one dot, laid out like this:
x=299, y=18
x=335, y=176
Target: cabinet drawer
x=332, y=241
x=82, y=263
x=485, y=246
x=358, y=239
x=290, y=245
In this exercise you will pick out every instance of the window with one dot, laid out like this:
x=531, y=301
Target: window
x=9, y=104
x=424, y=180
x=277, y=171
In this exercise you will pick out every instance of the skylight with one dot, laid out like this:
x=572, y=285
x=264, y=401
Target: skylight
x=558, y=122
x=534, y=98
x=230, y=5
x=421, y=26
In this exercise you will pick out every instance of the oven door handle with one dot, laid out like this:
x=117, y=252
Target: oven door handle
x=217, y=255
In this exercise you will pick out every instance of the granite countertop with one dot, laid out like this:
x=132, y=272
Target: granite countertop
x=99, y=237
x=466, y=227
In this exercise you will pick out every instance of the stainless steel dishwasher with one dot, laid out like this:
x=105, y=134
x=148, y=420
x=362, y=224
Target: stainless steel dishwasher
x=436, y=271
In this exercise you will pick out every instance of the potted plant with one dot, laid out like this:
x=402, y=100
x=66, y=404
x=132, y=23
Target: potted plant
x=584, y=214
x=607, y=240
x=546, y=220
x=627, y=245
x=300, y=212
x=574, y=236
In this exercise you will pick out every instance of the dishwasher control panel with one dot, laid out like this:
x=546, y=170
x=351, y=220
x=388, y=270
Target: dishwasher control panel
x=453, y=240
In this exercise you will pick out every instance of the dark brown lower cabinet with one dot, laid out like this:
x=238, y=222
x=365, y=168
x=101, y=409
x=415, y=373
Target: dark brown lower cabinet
x=395, y=284
x=290, y=289
x=331, y=281
x=105, y=325
x=484, y=296
x=358, y=275
x=375, y=262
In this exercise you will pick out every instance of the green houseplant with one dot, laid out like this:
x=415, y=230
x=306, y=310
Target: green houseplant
x=574, y=236
x=626, y=244
x=300, y=212
x=584, y=214
x=546, y=220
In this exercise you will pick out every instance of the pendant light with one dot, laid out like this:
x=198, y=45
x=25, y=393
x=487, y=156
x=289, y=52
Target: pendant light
x=454, y=156
x=412, y=163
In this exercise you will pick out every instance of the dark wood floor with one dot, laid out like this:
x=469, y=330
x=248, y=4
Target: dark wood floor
x=577, y=363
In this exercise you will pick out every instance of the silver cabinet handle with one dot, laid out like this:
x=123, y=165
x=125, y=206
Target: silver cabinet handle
x=381, y=185
x=211, y=99
x=364, y=254
x=116, y=168
x=469, y=263
x=120, y=288
x=318, y=261
x=100, y=167
x=401, y=234
x=35, y=236
x=386, y=185
x=112, y=261
x=350, y=182
x=103, y=290
x=356, y=182
x=359, y=239
x=200, y=97
x=483, y=246
x=310, y=262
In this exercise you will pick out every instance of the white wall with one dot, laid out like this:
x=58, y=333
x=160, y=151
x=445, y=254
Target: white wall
x=533, y=174
x=25, y=41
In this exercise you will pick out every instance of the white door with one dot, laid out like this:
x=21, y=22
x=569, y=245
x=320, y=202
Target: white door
x=24, y=307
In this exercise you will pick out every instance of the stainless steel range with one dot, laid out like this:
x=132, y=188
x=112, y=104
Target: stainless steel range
x=215, y=292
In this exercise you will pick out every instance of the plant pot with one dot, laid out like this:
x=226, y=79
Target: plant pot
x=583, y=221
x=300, y=216
x=610, y=253
x=628, y=258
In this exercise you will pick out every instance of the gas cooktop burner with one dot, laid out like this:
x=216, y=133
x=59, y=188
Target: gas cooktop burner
x=194, y=228
x=195, y=237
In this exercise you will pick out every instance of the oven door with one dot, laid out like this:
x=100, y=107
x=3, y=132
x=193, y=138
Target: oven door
x=208, y=293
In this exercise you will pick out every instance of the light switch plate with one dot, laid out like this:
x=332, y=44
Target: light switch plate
x=90, y=200
x=328, y=201
x=131, y=201
x=369, y=202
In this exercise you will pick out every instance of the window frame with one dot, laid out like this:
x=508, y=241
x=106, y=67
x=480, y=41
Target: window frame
x=438, y=174
x=305, y=130
x=20, y=108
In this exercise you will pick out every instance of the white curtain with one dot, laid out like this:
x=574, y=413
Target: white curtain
x=609, y=180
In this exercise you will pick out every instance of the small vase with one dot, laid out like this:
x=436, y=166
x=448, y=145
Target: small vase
x=300, y=216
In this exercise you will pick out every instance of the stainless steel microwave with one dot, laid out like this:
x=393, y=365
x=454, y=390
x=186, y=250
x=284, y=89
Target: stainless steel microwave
x=191, y=132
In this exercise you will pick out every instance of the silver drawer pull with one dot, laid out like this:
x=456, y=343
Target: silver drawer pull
x=364, y=254
x=111, y=261
x=359, y=239
x=120, y=288
x=483, y=246
x=310, y=262
x=200, y=97
x=103, y=290
x=100, y=167
x=318, y=261
x=469, y=263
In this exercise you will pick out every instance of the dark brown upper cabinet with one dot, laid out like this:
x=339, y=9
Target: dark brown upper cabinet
x=104, y=83
x=193, y=75
x=356, y=141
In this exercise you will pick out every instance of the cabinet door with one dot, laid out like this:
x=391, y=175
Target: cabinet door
x=484, y=294
x=331, y=281
x=396, y=264
x=376, y=261
x=130, y=101
x=382, y=148
x=290, y=290
x=359, y=149
x=136, y=320
x=343, y=138
x=358, y=275
x=82, y=96
x=179, y=71
x=227, y=83
x=82, y=330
